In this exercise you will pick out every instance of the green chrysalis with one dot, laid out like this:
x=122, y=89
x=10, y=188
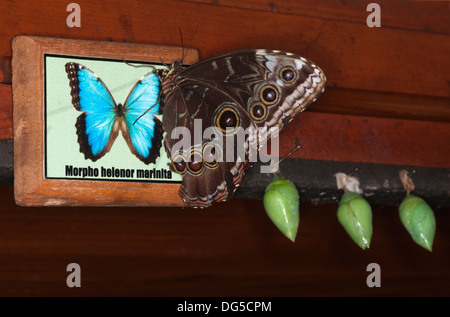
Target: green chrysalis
x=354, y=212
x=281, y=203
x=418, y=218
x=355, y=215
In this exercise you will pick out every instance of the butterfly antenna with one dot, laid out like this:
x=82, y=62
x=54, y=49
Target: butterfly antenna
x=290, y=153
x=298, y=146
x=167, y=65
x=182, y=46
x=136, y=66
x=190, y=42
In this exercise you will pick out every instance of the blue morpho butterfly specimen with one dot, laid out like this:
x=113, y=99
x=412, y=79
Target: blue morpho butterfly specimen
x=250, y=90
x=102, y=118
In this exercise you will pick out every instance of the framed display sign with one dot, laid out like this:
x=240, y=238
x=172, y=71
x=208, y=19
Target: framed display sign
x=83, y=114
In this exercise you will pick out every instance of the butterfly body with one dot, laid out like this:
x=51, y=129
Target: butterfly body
x=119, y=111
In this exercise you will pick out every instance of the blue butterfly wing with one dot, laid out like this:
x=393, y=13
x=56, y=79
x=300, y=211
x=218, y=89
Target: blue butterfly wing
x=96, y=126
x=143, y=129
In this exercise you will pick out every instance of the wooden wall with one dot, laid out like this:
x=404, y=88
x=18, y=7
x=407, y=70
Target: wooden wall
x=400, y=70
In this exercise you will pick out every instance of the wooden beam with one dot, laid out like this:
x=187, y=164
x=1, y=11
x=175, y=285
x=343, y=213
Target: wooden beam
x=5, y=70
x=377, y=147
x=334, y=100
x=6, y=110
x=6, y=162
x=380, y=183
x=345, y=138
x=427, y=16
x=383, y=104
x=392, y=58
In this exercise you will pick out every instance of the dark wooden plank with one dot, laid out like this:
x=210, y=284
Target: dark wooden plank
x=6, y=162
x=5, y=70
x=383, y=104
x=381, y=185
x=379, y=148
x=351, y=54
x=316, y=182
x=334, y=100
x=345, y=138
x=6, y=126
x=231, y=249
x=426, y=16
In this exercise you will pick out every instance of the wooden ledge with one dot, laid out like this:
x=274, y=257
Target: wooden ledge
x=333, y=100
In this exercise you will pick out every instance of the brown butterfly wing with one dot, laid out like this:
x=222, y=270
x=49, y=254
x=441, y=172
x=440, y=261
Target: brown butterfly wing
x=207, y=176
x=258, y=89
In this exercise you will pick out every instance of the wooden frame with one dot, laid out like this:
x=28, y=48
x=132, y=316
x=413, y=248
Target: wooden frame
x=31, y=187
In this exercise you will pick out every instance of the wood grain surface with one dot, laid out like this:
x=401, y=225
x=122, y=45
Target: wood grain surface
x=399, y=71
x=6, y=109
x=231, y=249
x=408, y=56
x=336, y=100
